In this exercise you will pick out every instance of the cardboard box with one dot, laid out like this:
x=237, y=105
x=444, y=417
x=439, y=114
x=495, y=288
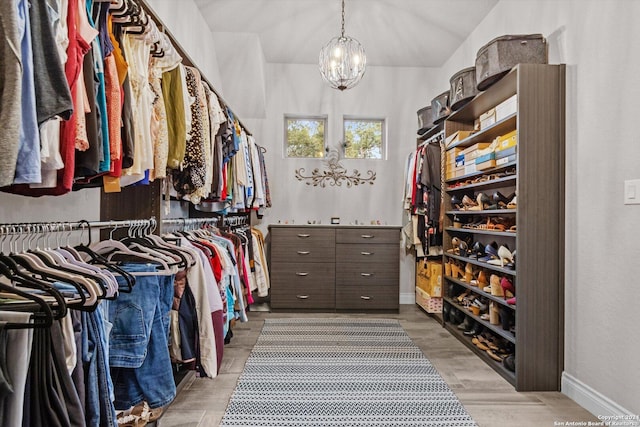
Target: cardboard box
x=508, y=140
x=429, y=277
x=470, y=153
x=507, y=108
x=457, y=137
x=505, y=160
x=486, y=157
x=470, y=168
x=486, y=165
x=460, y=172
x=460, y=160
x=488, y=118
x=506, y=152
x=427, y=302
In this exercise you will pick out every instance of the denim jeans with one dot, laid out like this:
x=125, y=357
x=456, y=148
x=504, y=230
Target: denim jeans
x=99, y=410
x=139, y=350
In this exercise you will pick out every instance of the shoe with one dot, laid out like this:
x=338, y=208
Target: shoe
x=507, y=287
x=496, y=356
x=469, y=204
x=494, y=313
x=445, y=313
x=491, y=252
x=477, y=250
x=467, y=324
x=500, y=200
x=447, y=268
x=456, y=203
x=482, y=279
x=509, y=362
x=476, y=330
x=513, y=204
x=505, y=318
x=481, y=345
x=468, y=272
x=504, y=254
x=496, y=289
x=463, y=249
x=455, y=270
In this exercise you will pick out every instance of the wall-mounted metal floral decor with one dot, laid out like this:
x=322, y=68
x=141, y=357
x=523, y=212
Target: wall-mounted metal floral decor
x=335, y=174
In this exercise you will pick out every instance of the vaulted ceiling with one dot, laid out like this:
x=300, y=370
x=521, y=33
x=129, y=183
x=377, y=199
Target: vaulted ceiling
x=395, y=33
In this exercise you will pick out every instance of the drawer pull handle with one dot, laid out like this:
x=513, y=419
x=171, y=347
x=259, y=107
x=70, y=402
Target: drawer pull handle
x=364, y=297
x=303, y=252
x=366, y=253
x=366, y=274
x=302, y=273
x=304, y=236
x=367, y=236
x=302, y=296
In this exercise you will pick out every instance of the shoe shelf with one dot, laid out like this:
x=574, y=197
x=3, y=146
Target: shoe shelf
x=479, y=291
x=480, y=173
x=506, y=181
x=490, y=133
x=537, y=178
x=492, y=267
x=497, y=366
x=481, y=231
x=496, y=329
x=483, y=212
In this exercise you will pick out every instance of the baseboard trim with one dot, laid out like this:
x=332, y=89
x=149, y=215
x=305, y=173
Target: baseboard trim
x=407, y=298
x=590, y=399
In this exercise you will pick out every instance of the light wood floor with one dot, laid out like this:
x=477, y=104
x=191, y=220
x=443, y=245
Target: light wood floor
x=489, y=399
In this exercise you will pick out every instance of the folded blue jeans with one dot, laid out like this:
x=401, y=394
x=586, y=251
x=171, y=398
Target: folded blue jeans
x=138, y=348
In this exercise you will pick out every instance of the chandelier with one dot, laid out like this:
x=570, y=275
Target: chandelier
x=342, y=61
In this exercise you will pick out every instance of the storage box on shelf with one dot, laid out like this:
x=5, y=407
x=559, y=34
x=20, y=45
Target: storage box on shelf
x=514, y=200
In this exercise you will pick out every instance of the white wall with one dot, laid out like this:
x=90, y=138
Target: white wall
x=599, y=41
x=394, y=94
x=184, y=21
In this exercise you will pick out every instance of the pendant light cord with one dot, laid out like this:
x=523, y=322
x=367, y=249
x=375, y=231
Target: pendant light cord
x=342, y=18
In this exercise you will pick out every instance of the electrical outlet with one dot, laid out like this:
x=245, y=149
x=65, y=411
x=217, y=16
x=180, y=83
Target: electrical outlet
x=632, y=192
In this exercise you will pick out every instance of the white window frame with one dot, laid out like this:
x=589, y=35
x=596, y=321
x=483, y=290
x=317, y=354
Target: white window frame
x=302, y=117
x=383, y=148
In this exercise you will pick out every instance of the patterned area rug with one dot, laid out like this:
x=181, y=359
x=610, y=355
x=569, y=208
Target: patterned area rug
x=340, y=372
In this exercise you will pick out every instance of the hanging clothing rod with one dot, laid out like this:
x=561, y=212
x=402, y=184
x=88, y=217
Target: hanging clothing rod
x=183, y=53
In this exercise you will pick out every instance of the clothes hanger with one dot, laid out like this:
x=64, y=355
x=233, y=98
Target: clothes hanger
x=138, y=239
x=45, y=319
x=97, y=259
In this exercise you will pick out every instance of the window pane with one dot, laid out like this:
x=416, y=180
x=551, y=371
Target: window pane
x=305, y=137
x=363, y=139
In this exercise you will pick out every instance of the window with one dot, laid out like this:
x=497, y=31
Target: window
x=363, y=138
x=305, y=136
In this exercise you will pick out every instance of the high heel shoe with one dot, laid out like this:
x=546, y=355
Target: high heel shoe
x=507, y=287
x=447, y=269
x=456, y=203
x=482, y=279
x=477, y=251
x=503, y=254
x=513, y=204
x=463, y=249
x=491, y=252
x=469, y=204
x=500, y=200
x=468, y=272
x=455, y=270
x=496, y=289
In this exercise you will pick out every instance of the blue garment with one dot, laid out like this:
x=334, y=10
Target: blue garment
x=139, y=352
x=28, y=163
x=99, y=409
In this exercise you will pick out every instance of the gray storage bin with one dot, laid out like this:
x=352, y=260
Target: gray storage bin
x=425, y=119
x=463, y=88
x=500, y=55
x=440, y=107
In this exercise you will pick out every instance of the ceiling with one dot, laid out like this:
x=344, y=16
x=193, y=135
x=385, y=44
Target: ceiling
x=395, y=33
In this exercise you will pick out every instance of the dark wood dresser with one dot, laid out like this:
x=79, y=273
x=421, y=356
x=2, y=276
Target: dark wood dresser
x=335, y=267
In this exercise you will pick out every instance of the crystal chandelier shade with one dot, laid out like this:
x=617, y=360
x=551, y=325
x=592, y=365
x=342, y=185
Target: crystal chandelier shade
x=342, y=61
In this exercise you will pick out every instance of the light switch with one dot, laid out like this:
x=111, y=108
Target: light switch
x=632, y=192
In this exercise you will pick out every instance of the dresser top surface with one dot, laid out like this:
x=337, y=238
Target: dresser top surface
x=337, y=226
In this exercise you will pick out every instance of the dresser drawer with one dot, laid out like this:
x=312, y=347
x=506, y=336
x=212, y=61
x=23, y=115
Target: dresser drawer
x=306, y=297
x=303, y=245
x=292, y=276
x=368, y=235
x=367, y=298
x=365, y=253
x=378, y=274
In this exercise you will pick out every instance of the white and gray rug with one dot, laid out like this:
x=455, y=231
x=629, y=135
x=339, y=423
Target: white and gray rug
x=340, y=372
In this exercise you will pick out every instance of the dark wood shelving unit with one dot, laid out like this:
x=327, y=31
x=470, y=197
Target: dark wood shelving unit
x=498, y=367
x=539, y=239
x=479, y=291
